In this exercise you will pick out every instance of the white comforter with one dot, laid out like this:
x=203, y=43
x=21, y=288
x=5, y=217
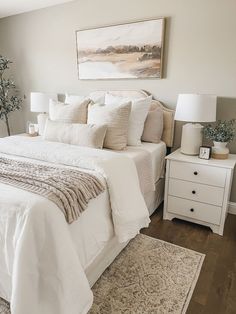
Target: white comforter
x=40, y=271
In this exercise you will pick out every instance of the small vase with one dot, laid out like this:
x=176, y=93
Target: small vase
x=220, y=151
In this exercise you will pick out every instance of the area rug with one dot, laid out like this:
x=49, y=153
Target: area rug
x=4, y=307
x=149, y=276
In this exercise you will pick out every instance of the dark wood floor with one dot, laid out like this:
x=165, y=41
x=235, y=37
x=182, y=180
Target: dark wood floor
x=215, y=292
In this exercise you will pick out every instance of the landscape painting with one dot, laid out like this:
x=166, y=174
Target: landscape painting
x=127, y=51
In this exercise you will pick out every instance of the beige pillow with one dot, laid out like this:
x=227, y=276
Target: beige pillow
x=138, y=115
x=74, y=133
x=75, y=112
x=117, y=121
x=153, y=126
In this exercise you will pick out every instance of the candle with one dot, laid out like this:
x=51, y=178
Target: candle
x=31, y=129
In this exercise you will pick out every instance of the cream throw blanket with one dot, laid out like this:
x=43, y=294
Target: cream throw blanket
x=69, y=189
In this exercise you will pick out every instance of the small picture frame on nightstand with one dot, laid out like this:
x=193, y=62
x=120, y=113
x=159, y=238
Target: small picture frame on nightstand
x=204, y=152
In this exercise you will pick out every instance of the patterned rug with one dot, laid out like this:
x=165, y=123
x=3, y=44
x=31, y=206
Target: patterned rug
x=149, y=276
x=4, y=307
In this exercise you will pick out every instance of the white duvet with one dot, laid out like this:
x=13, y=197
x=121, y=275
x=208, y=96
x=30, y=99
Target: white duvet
x=40, y=270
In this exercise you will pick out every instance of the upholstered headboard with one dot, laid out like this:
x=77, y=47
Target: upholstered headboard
x=168, y=131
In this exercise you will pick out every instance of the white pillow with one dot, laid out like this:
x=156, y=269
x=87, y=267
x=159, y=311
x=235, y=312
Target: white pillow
x=96, y=98
x=138, y=115
x=74, y=99
x=74, y=133
x=75, y=112
x=116, y=119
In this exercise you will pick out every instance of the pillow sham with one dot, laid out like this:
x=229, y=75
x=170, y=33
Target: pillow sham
x=75, y=112
x=98, y=99
x=138, y=115
x=74, y=99
x=153, y=126
x=116, y=119
x=74, y=133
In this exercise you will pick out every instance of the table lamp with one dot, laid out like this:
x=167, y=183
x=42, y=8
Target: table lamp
x=194, y=108
x=40, y=103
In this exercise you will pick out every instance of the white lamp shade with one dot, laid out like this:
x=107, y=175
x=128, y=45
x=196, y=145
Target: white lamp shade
x=39, y=102
x=196, y=108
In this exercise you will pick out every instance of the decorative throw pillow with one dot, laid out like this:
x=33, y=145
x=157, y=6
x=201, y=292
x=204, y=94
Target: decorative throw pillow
x=116, y=119
x=76, y=112
x=74, y=133
x=153, y=126
x=139, y=111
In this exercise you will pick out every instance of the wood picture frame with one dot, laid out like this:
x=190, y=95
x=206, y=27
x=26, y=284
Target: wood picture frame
x=122, y=51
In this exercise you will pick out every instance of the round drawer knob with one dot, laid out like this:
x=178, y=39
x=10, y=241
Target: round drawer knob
x=192, y=209
x=193, y=192
x=195, y=173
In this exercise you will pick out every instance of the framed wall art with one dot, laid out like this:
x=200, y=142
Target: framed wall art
x=125, y=51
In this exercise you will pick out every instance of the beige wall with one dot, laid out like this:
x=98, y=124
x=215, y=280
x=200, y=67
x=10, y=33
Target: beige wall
x=199, y=56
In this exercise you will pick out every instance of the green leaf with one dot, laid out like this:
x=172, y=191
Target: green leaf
x=9, y=100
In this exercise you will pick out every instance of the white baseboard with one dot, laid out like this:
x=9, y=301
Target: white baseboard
x=232, y=208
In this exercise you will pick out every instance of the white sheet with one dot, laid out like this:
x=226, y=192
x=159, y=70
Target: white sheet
x=156, y=152
x=89, y=243
x=41, y=264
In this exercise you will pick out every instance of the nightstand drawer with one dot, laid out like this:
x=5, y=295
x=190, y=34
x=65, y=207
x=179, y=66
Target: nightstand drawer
x=196, y=192
x=200, y=211
x=198, y=173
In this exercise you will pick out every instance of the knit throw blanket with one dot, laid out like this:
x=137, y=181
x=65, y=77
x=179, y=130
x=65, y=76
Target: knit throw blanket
x=69, y=189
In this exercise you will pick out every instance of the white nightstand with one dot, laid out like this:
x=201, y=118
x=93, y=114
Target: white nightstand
x=198, y=190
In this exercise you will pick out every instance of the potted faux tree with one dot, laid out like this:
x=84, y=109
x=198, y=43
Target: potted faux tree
x=221, y=134
x=9, y=101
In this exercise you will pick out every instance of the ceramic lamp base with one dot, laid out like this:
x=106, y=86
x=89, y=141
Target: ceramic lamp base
x=42, y=119
x=191, y=139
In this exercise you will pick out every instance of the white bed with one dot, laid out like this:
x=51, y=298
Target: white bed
x=88, y=245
